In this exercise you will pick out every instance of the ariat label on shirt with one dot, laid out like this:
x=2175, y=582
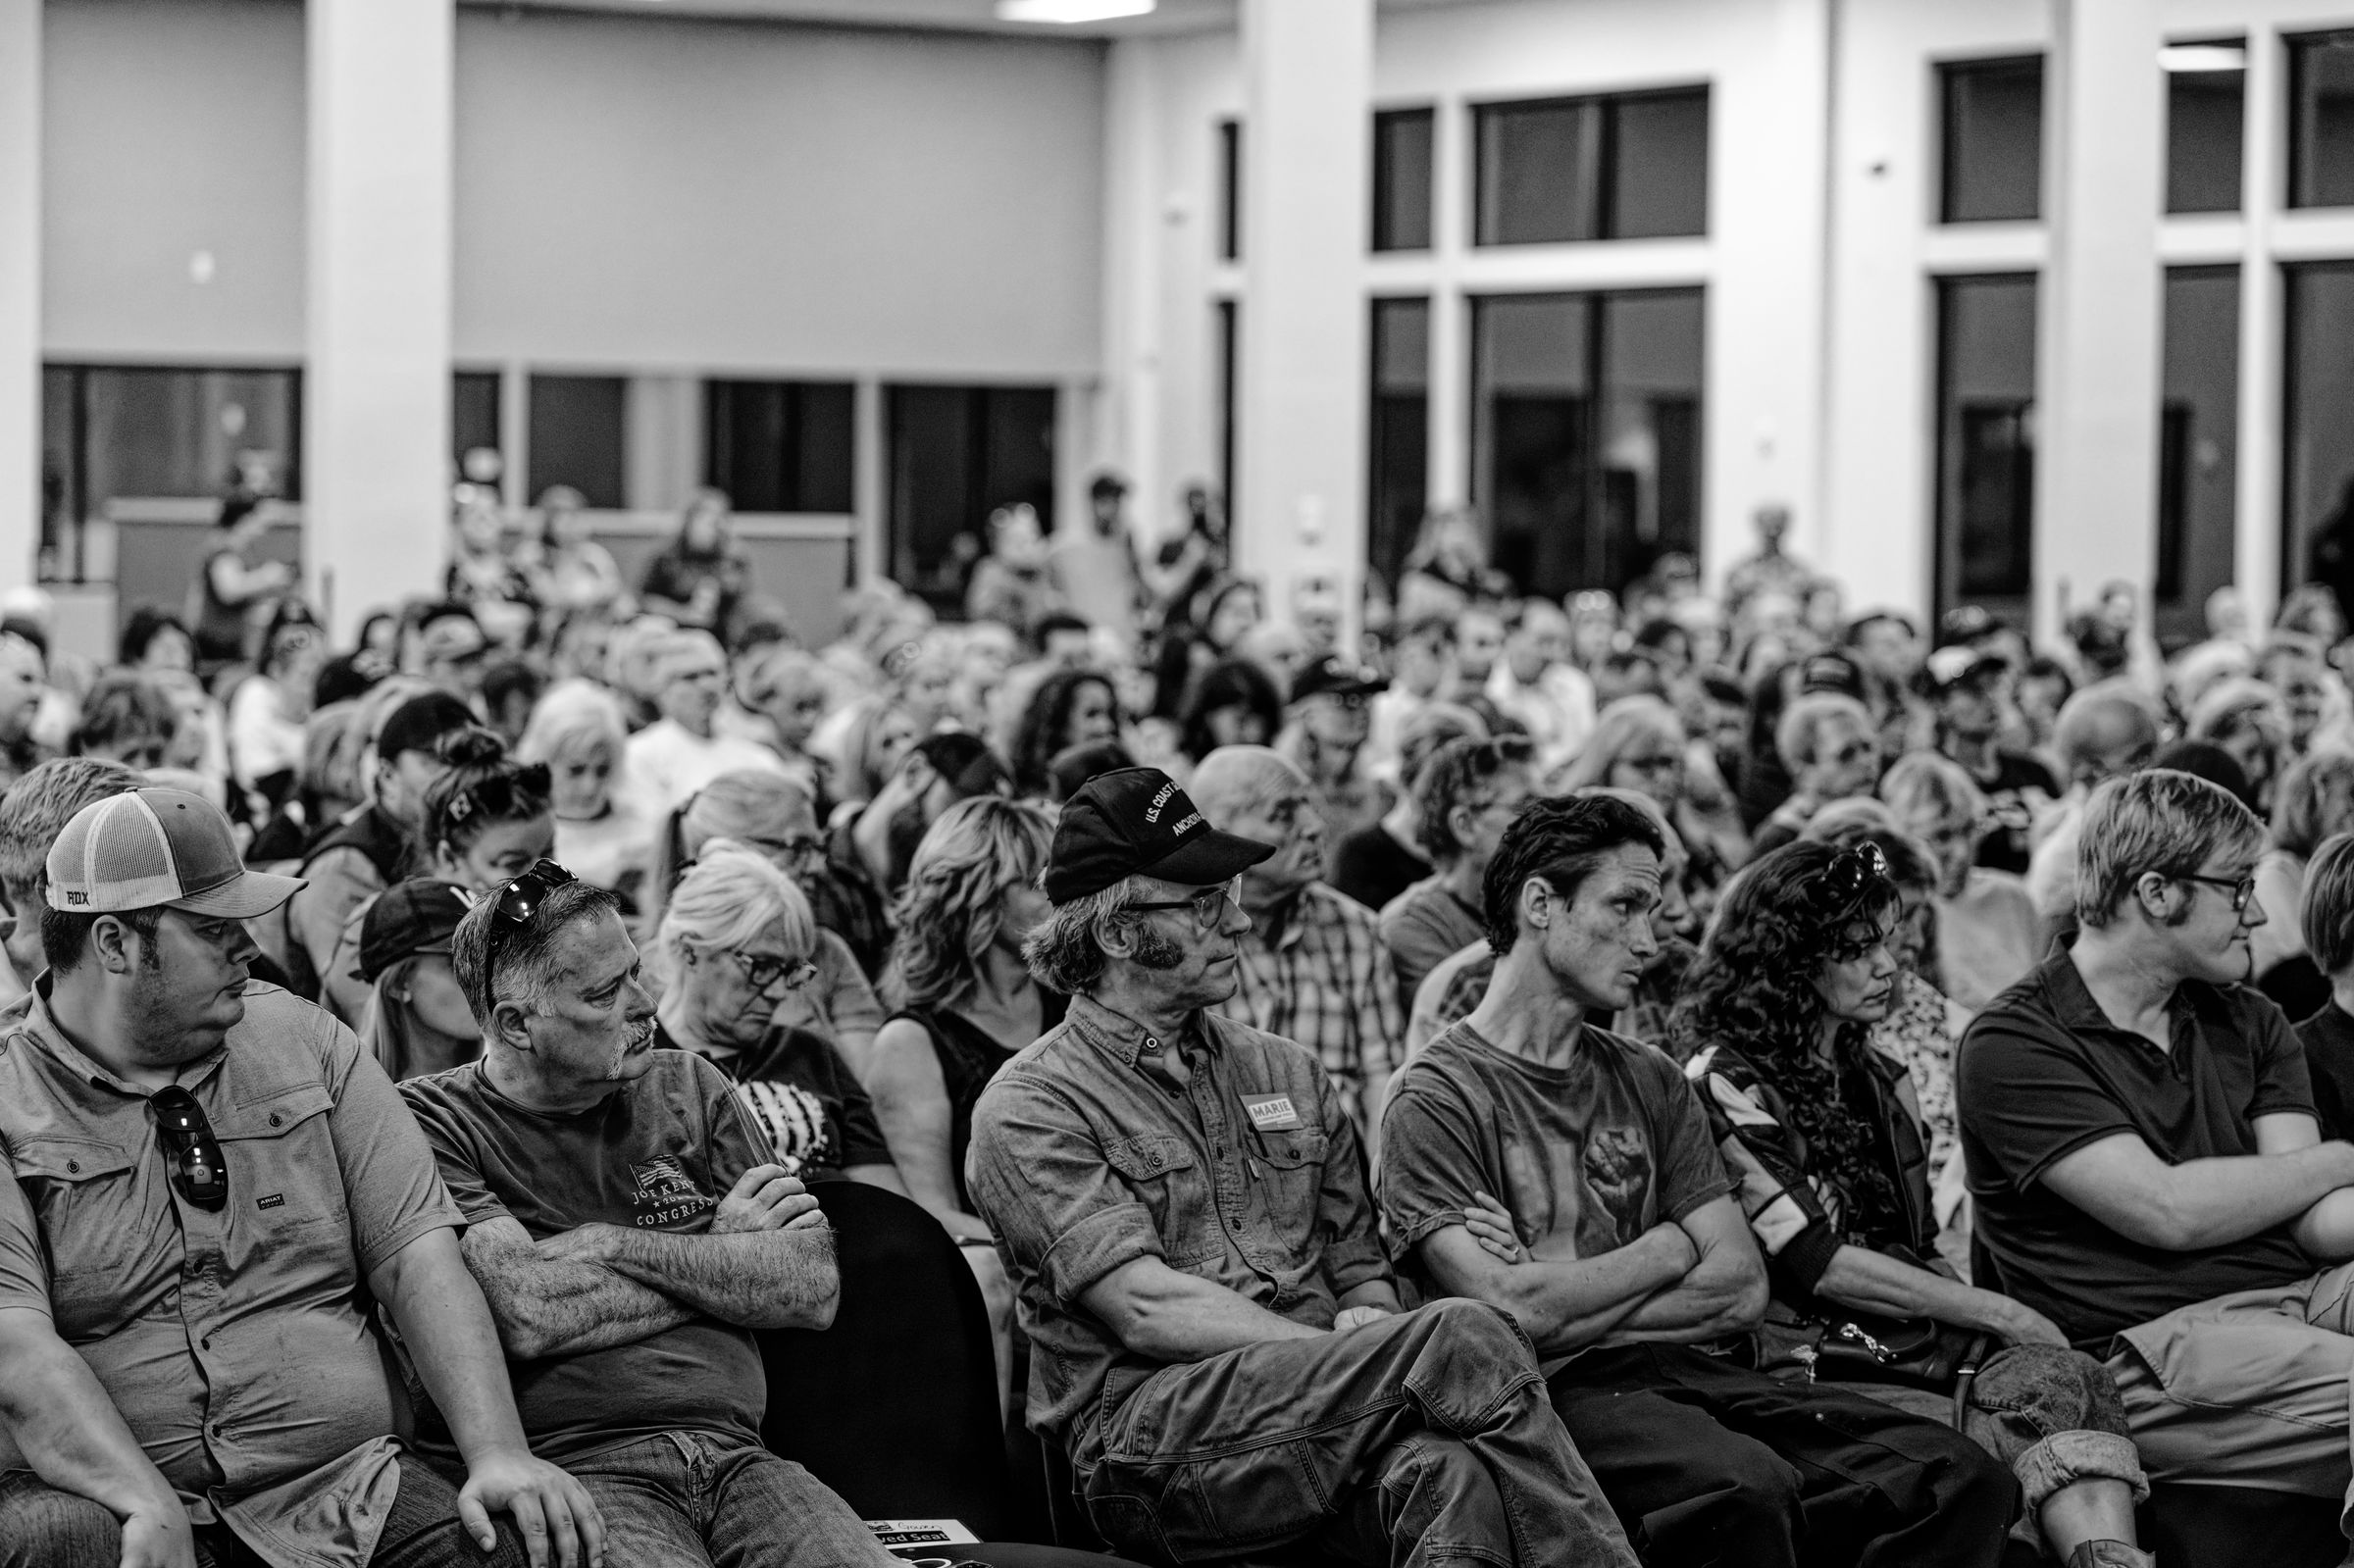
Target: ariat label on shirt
x=665, y=1194
x=1272, y=1113
x=273, y=1200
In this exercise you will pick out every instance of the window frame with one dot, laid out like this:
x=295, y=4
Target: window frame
x=1604, y=107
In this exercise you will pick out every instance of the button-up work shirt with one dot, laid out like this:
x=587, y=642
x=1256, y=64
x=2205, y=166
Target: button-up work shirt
x=2042, y=1073
x=1324, y=981
x=1088, y=1153
x=231, y=1342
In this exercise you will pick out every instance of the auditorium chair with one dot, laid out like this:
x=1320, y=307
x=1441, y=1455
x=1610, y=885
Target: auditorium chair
x=895, y=1406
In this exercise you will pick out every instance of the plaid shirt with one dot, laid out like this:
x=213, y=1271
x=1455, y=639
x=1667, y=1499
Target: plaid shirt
x=844, y=901
x=1326, y=982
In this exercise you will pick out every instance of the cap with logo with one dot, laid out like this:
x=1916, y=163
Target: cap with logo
x=1831, y=672
x=417, y=916
x=1337, y=677
x=1136, y=821
x=1950, y=668
x=157, y=848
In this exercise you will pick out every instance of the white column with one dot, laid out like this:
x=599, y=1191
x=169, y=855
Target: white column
x=1308, y=68
x=1128, y=434
x=2256, y=543
x=20, y=289
x=375, y=426
x=2096, y=440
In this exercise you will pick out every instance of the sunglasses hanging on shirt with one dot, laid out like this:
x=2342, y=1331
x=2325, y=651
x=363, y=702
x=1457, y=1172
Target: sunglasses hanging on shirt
x=190, y=1151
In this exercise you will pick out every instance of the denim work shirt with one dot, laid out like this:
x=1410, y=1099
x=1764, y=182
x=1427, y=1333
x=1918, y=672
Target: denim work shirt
x=1088, y=1154
x=234, y=1342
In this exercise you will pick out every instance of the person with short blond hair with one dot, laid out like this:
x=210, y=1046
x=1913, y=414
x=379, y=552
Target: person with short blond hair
x=1986, y=922
x=2143, y=1148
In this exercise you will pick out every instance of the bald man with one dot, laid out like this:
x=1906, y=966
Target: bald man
x=2104, y=732
x=1312, y=968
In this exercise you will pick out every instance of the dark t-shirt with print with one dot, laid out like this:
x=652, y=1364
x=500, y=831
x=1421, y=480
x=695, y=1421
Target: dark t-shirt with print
x=1587, y=1157
x=656, y=1155
x=814, y=1117
x=2020, y=786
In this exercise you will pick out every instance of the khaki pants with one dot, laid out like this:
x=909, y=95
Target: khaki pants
x=2248, y=1390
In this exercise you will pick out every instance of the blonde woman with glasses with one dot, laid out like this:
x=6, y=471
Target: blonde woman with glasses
x=734, y=941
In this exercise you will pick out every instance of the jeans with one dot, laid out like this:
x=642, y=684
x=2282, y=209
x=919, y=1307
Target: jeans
x=695, y=1500
x=1419, y=1439
x=1708, y=1463
x=41, y=1527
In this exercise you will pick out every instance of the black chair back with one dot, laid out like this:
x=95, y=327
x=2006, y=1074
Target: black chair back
x=895, y=1406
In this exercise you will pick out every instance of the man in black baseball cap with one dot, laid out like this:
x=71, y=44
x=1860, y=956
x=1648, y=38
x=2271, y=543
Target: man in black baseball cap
x=1181, y=1200
x=1326, y=726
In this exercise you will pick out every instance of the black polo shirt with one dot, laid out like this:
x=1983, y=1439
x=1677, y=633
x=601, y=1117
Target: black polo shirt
x=2043, y=1072
x=2328, y=1040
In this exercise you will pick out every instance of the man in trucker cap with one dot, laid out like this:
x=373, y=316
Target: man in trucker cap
x=206, y=1178
x=1181, y=1201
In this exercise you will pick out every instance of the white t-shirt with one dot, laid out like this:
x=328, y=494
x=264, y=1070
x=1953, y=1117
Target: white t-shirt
x=667, y=763
x=262, y=739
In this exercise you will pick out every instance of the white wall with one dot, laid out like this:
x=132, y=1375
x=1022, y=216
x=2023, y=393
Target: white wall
x=170, y=128
x=728, y=196
x=632, y=193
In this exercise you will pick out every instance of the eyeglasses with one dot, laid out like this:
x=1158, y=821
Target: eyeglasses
x=519, y=904
x=762, y=973
x=190, y=1149
x=1209, y=905
x=2241, y=888
x=792, y=849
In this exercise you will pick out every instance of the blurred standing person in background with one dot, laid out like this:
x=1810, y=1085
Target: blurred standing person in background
x=1094, y=568
x=699, y=577
x=1773, y=569
x=1010, y=583
x=484, y=573
x=231, y=589
x=571, y=573
x=1192, y=561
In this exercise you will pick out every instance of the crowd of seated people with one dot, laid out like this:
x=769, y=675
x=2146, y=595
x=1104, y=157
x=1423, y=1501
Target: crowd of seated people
x=1649, y=1078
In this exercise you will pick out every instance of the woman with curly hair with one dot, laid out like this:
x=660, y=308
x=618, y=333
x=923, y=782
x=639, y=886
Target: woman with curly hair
x=966, y=1004
x=1070, y=708
x=1823, y=1134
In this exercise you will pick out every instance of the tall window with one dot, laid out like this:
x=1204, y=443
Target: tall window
x=1993, y=154
x=2321, y=127
x=779, y=447
x=1230, y=190
x=580, y=437
x=2205, y=94
x=1586, y=433
x=1229, y=348
x=472, y=413
x=1402, y=141
x=958, y=453
x=1400, y=429
x=1985, y=439
x=1633, y=165
x=2318, y=495
x=121, y=432
x=2198, y=445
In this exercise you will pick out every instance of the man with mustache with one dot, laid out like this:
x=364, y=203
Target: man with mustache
x=629, y=1236
x=1178, y=1198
